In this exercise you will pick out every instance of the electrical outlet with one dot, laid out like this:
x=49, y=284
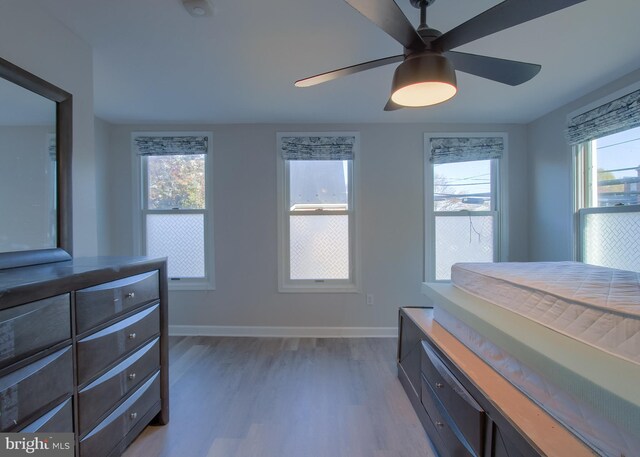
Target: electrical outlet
x=369, y=299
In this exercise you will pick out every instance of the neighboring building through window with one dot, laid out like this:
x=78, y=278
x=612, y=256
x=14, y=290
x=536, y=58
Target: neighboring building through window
x=175, y=205
x=317, y=224
x=462, y=214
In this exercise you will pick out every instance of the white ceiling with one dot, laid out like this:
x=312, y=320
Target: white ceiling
x=154, y=63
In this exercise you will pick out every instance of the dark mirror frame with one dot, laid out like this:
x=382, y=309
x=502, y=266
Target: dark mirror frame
x=64, y=141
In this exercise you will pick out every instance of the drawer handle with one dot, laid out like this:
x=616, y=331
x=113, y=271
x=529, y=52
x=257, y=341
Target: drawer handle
x=439, y=385
x=132, y=336
x=133, y=415
x=130, y=295
x=439, y=424
x=132, y=376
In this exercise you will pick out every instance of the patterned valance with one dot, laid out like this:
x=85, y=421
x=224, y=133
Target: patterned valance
x=317, y=147
x=465, y=149
x=613, y=117
x=171, y=145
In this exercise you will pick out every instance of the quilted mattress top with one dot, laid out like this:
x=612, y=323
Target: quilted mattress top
x=608, y=289
x=598, y=306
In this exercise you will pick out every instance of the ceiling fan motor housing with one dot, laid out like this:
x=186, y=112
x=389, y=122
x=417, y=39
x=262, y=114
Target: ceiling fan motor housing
x=198, y=8
x=428, y=35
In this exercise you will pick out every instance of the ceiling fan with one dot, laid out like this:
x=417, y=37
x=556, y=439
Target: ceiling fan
x=426, y=75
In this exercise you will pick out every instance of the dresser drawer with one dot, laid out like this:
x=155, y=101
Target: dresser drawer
x=32, y=390
x=108, y=434
x=58, y=420
x=466, y=413
x=103, y=393
x=98, y=304
x=27, y=329
x=451, y=437
x=99, y=350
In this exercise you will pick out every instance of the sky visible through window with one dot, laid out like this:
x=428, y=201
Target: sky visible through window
x=619, y=150
x=462, y=186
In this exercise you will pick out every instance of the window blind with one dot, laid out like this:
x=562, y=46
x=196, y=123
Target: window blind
x=317, y=147
x=465, y=149
x=613, y=117
x=171, y=145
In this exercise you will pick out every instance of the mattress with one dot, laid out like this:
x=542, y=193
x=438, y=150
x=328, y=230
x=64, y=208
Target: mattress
x=596, y=305
x=592, y=392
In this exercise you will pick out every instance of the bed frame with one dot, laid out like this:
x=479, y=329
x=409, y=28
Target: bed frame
x=466, y=408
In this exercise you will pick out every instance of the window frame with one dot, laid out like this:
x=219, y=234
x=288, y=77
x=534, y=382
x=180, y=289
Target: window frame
x=141, y=211
x=577, y=164
x=285, y=283
x=498, y=203
x=585, y=194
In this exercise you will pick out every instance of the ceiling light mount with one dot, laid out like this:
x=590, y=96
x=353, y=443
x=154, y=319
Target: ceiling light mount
x=426, y=33
x=198, y=8
x=419, y=3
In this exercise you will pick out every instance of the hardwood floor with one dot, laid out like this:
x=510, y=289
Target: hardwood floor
x=284, y=397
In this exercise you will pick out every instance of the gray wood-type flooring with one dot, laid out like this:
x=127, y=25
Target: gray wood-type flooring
x=284, y=397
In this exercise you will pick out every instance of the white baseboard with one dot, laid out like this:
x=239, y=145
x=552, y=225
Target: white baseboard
x=295, y=332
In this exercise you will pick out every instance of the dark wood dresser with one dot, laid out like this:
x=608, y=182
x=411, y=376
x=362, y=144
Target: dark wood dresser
x=83, y=349
x=467, y=408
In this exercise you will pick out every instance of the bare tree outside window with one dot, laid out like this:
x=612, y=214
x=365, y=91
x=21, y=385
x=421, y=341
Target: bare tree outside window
x=176, y=182
x=462, y=186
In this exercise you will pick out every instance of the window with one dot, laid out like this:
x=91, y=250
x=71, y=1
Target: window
x=607, y=199
x=175, y=205
x=316, y=202
x=606, y=145
x=462, y=216
x=610, y=170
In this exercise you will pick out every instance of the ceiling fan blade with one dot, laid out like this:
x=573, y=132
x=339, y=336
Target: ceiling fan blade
x=392, y=106
x=509, y=72
x=328, y=76
x=500, y=17
x=387, y=15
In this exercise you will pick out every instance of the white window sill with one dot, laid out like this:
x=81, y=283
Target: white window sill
x=319, y=288
x=186, y=284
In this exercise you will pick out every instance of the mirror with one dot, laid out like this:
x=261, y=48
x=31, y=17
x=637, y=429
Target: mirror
x=27, y=170
x=35, y=165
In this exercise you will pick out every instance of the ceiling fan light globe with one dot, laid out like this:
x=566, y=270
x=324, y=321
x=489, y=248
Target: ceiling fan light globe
x=423, y=80
x=424, y=94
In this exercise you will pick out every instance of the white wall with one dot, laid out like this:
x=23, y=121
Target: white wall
x=391, y=224
x=33, y=40
x=103, y=186
x=550, y=178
